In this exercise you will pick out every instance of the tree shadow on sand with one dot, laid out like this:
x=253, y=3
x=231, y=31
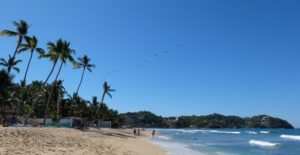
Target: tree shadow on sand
x=120, y=134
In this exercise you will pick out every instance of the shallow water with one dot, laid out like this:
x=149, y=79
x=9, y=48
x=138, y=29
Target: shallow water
x=229, y=141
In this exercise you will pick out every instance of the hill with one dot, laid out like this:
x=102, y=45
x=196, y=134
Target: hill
x=148, y=119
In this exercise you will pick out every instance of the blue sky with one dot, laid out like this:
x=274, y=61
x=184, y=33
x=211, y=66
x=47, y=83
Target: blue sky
x=173, y=57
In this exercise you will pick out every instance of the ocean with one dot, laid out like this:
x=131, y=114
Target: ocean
x=229, y=141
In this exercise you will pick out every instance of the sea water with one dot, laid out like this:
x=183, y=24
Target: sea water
x=229, y=141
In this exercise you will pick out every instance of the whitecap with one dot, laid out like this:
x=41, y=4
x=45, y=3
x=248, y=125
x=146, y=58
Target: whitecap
x=190, y=131
x=263, y=143
x=252, y=132
x=291, y=137
x=226, y=132
x=265, y=132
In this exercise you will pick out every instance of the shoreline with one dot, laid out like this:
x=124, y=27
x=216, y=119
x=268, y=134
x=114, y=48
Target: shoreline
x=66, y=141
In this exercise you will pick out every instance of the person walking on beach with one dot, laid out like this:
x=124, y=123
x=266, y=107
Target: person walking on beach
x=153, y=133
x=134, y=131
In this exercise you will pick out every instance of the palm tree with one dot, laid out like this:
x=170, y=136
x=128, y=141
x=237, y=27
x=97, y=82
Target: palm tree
x=94, y=107
x=31, y=45
x=10, y=64
x=84, y=63
x=22, y=29
x=59, y=91
x=53, y=55
x=106, y=91
x=64, y=53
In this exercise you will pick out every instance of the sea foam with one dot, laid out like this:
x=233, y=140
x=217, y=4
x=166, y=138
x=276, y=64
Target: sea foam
x=263, y=143
x=174, y=148
x=291, y=137
x=163, y=137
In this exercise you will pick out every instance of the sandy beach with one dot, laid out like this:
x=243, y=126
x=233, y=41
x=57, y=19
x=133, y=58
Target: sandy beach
x=64, y=141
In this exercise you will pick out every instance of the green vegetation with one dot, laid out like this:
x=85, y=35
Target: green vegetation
x=148, y=119
x=40, y=99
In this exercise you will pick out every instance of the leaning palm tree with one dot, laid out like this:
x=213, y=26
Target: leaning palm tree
x=106, y=91
x=22, y=29
x=10, y=64
x=54, y=49
x=84, y=63
x=64, y=54
x=31, y=45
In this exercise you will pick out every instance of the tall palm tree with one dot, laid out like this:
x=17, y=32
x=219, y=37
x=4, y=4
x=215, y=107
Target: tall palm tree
x=10, y=64
x=64, y=53
x=84, y=62
x=54, y=49
x=21, y=32
x=31, y=45
x=106, y=91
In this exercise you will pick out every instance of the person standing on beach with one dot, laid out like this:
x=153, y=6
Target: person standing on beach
x=138, y=132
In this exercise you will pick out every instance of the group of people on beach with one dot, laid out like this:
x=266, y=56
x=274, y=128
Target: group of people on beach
x=137, y=132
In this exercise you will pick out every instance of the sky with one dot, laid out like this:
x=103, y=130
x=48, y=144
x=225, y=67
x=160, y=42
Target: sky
x=172, y=57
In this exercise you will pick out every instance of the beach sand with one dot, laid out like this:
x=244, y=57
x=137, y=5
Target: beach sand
x=63, y=141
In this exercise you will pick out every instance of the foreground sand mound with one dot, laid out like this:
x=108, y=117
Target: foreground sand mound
x=51, y=141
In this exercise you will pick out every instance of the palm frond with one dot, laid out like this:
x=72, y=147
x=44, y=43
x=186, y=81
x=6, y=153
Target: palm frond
x=23, y=47
x=16, y=62
x=109, y=94
x=40, y=51
x=16, y=69
x=27, y=39
x=3, y=60
x=15, y=23
x=8, y=33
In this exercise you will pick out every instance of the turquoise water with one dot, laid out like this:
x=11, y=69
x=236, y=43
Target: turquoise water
x=229, y=141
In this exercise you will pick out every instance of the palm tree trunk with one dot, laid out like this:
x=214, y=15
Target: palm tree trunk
x=103, y=95
x=22, y=99
x=31, y=54
x=58, y=71
x=58, y=106
x=19, y=43
x=54, y=64
x=97, y=110
x=80, y=80
x=49, y=98
x=16, y=50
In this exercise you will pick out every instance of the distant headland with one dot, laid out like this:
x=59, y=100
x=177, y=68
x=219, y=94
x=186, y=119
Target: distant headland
x=148, y=119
